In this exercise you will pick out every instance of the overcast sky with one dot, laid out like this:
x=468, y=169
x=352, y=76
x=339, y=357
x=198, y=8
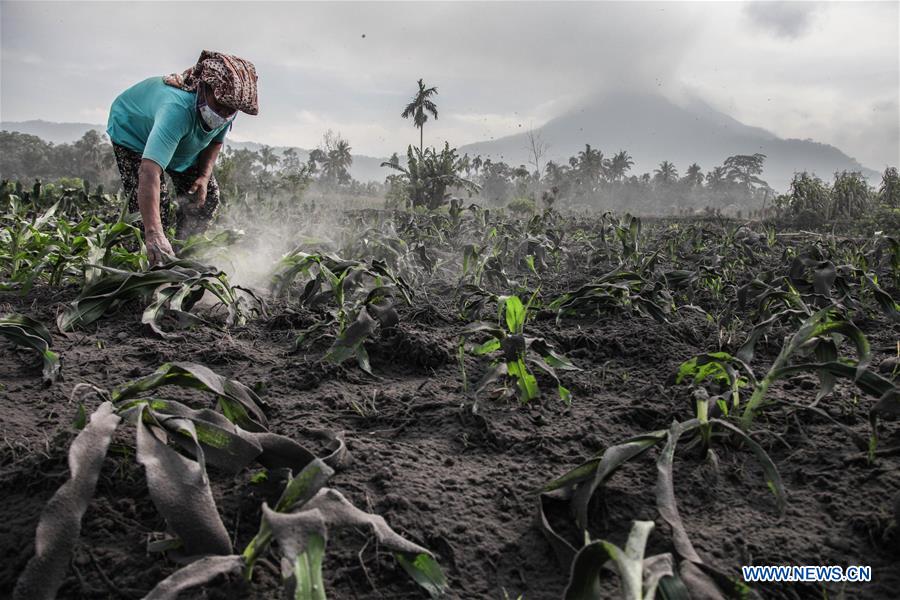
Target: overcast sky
x=828, y=71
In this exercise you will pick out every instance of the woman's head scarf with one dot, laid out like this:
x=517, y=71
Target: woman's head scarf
x=232, y=79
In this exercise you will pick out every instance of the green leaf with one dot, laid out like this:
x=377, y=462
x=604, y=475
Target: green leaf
x=425, y=571
x=24, y=331
x=515, y=313
x=238, y=402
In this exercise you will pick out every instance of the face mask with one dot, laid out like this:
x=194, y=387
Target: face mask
x=211, y=118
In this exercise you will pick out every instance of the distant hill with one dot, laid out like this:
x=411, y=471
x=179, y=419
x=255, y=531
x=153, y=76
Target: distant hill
x=58, y=133
x=364, y=168
x=652, y=129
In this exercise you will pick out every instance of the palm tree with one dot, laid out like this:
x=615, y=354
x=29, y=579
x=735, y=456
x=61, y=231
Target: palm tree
x=619, y=165
x=465, y=164
x=591, y=166
x=476, y=163
x=418, y=108
x=337, y=163
x=694, y=175
x=717, y=178
x=666, y=173
x=268, y=158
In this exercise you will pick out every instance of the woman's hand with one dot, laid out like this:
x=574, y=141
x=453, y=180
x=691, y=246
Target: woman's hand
x=199, y=188
x=159, y=250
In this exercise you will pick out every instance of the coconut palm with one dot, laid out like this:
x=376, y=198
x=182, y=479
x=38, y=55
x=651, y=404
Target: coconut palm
x=337, y=163
x=666, y=173
x=418, y=109
x=694, y=175
x=268, y=158
x=619, y=165
x=476, y=163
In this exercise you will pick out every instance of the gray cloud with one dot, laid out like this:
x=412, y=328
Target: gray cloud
x=786, y=19
x=497, y=65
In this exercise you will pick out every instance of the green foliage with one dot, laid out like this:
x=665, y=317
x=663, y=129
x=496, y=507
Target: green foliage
x=429, y=176
x=24, y=331
x=521, y=206
x=175, y=288
x=513, y=352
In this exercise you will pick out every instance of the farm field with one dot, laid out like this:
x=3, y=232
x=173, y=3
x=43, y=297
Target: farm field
x=498, y=387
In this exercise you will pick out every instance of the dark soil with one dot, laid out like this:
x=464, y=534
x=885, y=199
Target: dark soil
x=462, y=485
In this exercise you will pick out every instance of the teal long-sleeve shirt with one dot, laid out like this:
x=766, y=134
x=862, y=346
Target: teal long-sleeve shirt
x=161, y=123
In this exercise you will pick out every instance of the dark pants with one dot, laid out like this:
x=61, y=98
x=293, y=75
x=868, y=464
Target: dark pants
x=187, y=222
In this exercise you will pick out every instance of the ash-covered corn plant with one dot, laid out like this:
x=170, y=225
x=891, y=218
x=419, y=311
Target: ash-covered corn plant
x=354, y=299
x=580, y=485
x=616, y=291
x=513, y=354
x=641, y=577
x=300, y=523
x=171, y=289
x=175, y=443
x=25, y=332
x=816, y=344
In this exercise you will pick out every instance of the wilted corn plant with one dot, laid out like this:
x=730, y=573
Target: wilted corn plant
x=174, y=287
x=229, y=439
x=640, y=576
x=617, y=291
x=24, y=331
x=581, y=484
x=356, y=298
x=512, y=353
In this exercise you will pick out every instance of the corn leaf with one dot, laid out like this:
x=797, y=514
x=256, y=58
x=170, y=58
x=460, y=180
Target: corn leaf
x=199, y=572
x=24, y=331
x=60, y=522
x=238, y=402
x=171, y=478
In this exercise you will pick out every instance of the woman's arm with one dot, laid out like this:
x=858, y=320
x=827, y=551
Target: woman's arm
x=205, y=162
x=158, y=247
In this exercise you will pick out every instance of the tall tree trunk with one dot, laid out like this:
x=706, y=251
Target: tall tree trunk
x=421, y=138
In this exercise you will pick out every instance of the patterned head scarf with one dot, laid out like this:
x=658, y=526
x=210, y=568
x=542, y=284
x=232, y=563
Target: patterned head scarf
x=232, y=79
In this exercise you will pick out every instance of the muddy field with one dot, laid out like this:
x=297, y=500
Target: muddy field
x=461, y=483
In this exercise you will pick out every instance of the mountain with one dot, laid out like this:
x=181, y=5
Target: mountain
x=652, y=129
x=364, y=168
x=58, y=133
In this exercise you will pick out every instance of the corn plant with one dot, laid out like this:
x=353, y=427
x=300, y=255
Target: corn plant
x=615, y=291
x=229, y=439
x=45, y=245
x=355, y=297
x=174, y=288
x=819, y=336
x=300, y=522
x=513, y=352
x=24, y=331
x=579, y=485
x=639, y=576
